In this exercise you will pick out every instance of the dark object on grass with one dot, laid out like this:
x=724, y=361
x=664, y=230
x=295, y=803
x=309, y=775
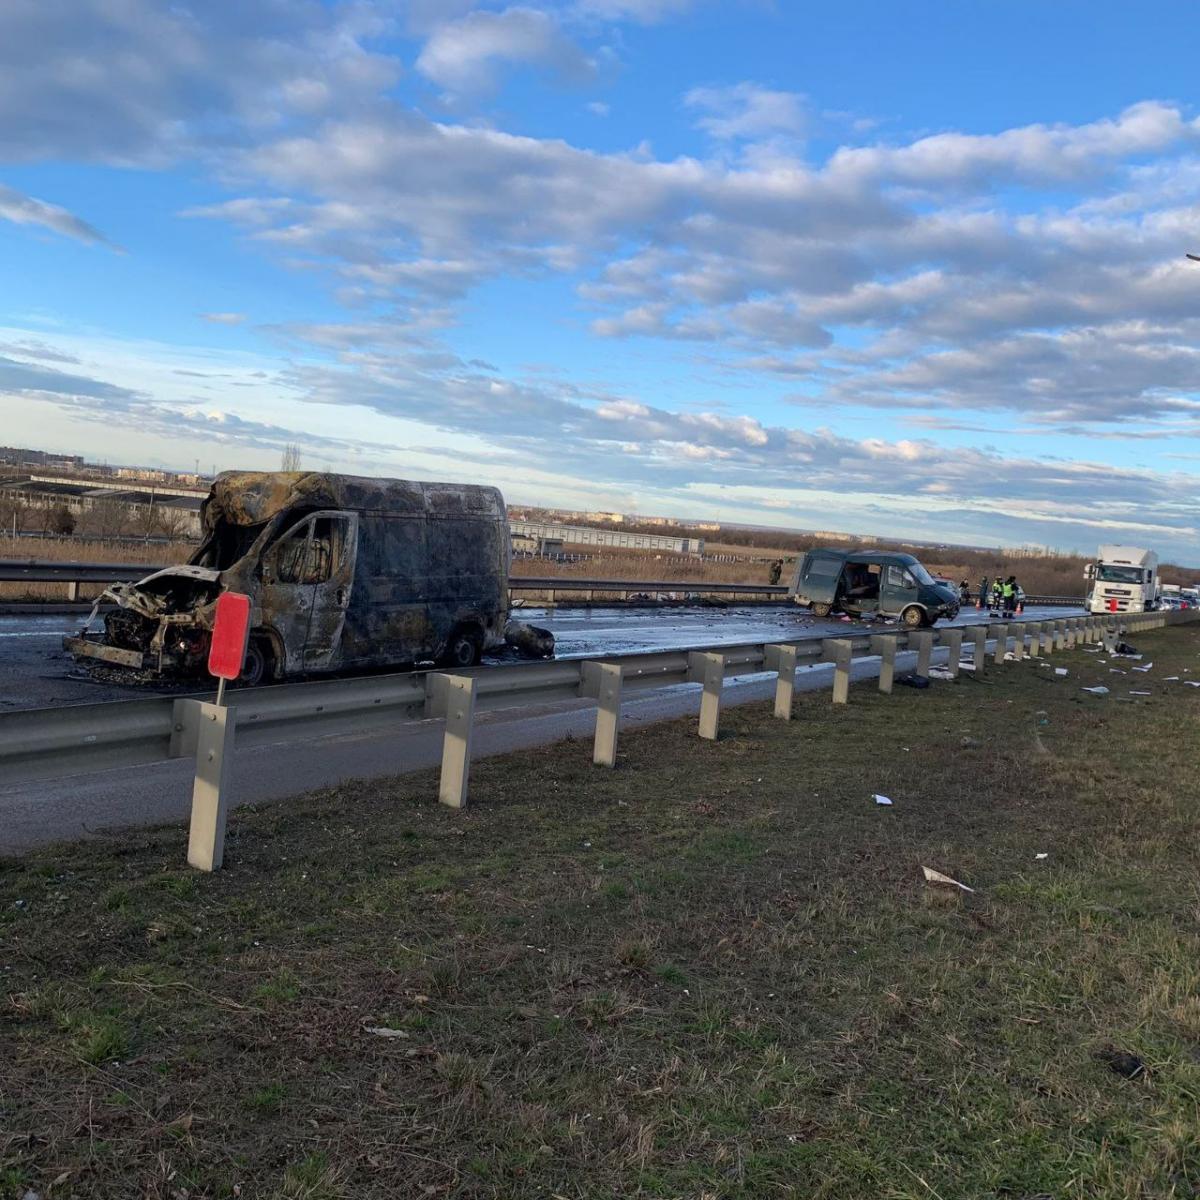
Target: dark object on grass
x=913, y=680
x=1126, y=648
x=1122, y=1062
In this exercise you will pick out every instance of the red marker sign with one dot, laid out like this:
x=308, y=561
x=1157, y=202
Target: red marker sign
x=230, y=635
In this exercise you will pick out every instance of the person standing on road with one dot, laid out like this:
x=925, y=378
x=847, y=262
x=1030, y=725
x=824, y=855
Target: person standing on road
x=776, y=570
x=964, y=593
x=983, y=591
x=1008, y=593
x=997, y=594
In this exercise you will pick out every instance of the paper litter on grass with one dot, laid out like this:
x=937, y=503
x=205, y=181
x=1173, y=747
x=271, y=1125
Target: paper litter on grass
x=1145, y=668
x=1171, y=679
x=1096, y=691
x=1060, y=670
x=1117, y=671
x=1041, y=856
x=881, y=799
x=1133, y=693
x=932, y=876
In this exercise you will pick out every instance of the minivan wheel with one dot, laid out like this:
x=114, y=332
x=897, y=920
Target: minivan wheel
x=913, y=616
x=254, y=669
x=464, y=649
x=821, y=610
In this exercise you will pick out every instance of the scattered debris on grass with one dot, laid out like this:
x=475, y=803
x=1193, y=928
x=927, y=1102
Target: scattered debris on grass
x=936, y=877
x=1122, y=1062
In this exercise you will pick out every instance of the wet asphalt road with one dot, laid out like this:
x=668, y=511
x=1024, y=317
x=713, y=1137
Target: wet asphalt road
x=35, y=672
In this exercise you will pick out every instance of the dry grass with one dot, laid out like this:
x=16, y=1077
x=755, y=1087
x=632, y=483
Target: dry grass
x=713, y=972
x=77, y=550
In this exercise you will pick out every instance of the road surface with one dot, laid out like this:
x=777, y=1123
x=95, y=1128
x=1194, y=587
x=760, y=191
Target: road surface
x=35, y=673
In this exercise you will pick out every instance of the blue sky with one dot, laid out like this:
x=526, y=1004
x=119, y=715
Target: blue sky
x=897, y=268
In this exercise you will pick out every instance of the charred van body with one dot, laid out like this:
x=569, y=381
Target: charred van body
x=343, y=572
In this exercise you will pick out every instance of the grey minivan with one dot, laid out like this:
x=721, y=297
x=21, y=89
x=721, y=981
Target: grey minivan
x=871, y=582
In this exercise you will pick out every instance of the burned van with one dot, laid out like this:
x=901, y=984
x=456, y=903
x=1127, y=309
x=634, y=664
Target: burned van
x=871, y=583
x=343, y=572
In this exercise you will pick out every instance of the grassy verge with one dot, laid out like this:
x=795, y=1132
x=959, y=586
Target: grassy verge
x=713, y=972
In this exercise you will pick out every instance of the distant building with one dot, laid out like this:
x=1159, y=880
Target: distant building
x=612, y=518
x=20, y=456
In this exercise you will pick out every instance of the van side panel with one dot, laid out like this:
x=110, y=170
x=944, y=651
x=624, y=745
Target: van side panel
x=468, y=575
x=387, y=620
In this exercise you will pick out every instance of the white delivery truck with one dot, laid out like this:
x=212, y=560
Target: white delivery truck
x=1124, y=580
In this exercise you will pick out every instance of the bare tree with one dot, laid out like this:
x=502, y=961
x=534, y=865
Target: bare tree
x=290, y=459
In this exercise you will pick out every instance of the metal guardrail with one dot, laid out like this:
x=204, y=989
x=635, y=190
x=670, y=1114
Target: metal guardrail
x=40, y=744
x=75, y=573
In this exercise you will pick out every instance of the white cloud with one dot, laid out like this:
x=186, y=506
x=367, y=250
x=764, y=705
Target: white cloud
x=223, y=318
x=463, y=55
x=748, y=111
x=26, y=210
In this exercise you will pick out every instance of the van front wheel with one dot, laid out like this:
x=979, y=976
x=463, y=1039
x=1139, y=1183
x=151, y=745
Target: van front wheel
x=256, y=666
x=913, y=616
x=464, y=649
x=821, y=610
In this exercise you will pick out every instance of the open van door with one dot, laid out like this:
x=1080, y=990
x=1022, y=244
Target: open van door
x=307, y=578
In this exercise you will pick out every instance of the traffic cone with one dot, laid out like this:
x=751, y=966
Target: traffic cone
x=1020, y=608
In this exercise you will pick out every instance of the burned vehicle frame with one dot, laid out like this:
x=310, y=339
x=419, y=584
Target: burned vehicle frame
x=343, y=573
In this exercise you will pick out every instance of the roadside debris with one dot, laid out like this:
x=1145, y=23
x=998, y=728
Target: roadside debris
x=970, y=743
x=1133, y=693
x=530, y=640
x=1096, y=691
x=940, y=673
x=913, y=680
x=1060, y=670
x=932, y=876
x=1145, y=668
x=1039, y=857
x=1122, y=1062
x=882, y=799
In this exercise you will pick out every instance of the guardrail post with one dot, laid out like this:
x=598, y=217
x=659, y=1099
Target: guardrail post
x=453, y=697
x=1034, y=629
x=923, y=640
x=1060, y=635
x=839, y=652
x=1000, y=633
x=977, y=635
x=73, y=590
x=210, y=791
x=884, y=644
x=782, y=659
x=709, y=669
x=952, y=638
x=1046, y=633
x=602, y=682
x=1019, y=641
x=1071, y=629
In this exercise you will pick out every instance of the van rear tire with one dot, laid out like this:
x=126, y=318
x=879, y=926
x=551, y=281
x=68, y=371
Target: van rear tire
x=464, y=649
x=820, y=610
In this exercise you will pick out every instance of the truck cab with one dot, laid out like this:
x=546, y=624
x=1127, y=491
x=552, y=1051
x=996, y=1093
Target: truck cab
x=1124, y=580
x=871, y=583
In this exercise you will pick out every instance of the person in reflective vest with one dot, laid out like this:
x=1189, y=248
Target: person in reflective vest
x=1008, y=592
x=997, y=593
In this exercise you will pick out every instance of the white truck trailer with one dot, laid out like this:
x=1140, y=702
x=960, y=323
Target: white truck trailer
x=1124, y=580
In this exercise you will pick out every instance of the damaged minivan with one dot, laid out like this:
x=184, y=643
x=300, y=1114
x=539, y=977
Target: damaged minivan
x=343, y=572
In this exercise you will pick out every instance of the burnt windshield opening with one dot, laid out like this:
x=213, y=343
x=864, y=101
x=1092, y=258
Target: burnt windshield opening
x=226, y=544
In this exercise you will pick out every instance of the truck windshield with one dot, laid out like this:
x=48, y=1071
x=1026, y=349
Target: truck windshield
x=921, y=575
x=1112, y=574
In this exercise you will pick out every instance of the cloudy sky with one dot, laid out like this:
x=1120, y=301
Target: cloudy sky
x=898, y=268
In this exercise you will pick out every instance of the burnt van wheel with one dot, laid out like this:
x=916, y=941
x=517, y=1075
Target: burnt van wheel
x=464, y=649
x=913, y=617
x=821, y=610
x=254, y=669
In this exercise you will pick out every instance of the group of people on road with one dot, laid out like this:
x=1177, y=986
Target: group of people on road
x=1002, y=596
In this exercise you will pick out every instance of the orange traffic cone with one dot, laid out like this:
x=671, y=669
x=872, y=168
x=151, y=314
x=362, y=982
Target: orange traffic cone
x=1020, y=607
